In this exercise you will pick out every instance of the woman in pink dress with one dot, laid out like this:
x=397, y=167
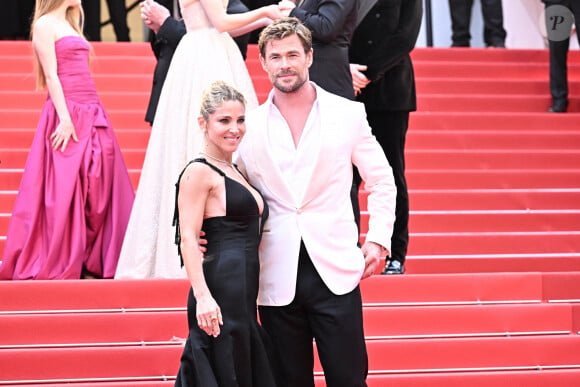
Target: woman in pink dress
x=75, y=197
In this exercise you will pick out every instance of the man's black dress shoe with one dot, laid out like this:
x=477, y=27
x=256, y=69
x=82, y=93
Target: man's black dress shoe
x=558, y=107
x=393, y=267
x=496, y=45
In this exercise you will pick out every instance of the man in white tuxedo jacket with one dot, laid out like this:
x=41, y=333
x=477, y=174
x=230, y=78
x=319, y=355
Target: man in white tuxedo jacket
x=298, y=150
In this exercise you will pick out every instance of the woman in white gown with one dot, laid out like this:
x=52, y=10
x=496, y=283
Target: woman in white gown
x=206, y=53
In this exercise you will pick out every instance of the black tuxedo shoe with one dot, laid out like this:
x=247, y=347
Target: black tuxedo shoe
x=559, y=107
x=394, y=267
x=497, y=45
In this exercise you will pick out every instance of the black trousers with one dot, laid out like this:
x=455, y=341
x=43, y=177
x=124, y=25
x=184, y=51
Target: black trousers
x=493, y=32
x=92, y=28
x=559, y=60
x=335, y=322
x=15, y=19
x=390, y=130
x=118, y=15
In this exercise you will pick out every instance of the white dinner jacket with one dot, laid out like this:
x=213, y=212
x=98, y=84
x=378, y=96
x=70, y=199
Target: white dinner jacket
x=323, y=219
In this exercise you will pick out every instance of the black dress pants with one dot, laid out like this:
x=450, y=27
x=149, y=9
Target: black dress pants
x=390, y=130
x=559, y=60
x=92, y=28
x=118, y=15
x=15, y=19
x=335, y=322
x=493, y=33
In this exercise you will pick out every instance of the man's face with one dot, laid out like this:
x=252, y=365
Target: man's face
x=286, y=63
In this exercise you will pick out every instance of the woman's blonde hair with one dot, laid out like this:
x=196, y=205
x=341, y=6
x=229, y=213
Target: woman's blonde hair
x=215, y=95
x=75, y=17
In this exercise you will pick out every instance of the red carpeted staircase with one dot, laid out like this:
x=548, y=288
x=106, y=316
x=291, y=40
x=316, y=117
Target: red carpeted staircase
x=492, y=290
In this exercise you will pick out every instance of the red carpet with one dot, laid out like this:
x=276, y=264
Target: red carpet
x=492, y=290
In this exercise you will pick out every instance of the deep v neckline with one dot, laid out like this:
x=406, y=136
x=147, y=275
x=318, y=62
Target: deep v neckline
x=257, y=206
x=249, y=192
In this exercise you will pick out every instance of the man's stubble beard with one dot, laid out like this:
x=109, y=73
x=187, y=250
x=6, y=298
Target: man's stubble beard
x=290, y=88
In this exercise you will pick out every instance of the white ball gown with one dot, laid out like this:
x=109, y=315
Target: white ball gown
x=202, y=56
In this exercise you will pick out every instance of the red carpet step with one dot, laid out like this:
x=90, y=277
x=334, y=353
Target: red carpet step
x=105, y=330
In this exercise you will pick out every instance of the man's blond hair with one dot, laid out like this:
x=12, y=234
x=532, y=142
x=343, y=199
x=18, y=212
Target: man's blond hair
x=282, y=28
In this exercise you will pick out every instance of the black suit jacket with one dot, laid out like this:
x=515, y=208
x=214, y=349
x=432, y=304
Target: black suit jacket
x=332, y=23
x=382, y=41
x=164, y=44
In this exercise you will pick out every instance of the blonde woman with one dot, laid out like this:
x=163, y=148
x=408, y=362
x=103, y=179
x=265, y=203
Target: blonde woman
x=226, y=346
x=75, y=197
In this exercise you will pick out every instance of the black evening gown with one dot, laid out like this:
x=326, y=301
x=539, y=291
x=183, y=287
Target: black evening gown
x=240, y=355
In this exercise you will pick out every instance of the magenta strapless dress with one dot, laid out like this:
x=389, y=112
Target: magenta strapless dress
x=72, y=208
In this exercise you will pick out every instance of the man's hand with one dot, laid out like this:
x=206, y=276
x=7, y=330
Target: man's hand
x=153, y=14
x=373, y=252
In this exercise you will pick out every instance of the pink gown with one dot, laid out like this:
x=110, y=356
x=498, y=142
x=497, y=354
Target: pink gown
x=72, y=208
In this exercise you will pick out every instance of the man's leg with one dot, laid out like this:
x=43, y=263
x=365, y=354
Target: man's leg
x=291, y=338
x=559, y=75
x=460, y=21
x=290, y=331
x=337, y=324
x=92, y=28
x=390, y=130
x=118, y=16
x=335, y=321
x=493, y=32
x=25, y=13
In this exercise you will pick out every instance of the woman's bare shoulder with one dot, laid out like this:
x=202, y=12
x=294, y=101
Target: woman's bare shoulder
x=199, y=174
